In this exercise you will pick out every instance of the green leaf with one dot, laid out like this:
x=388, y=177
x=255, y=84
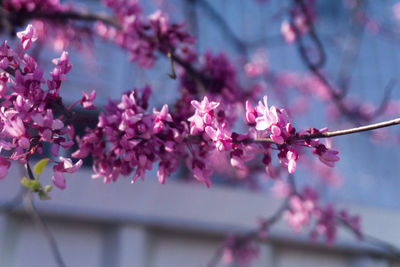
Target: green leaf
x=39, y=167
x=31, y=184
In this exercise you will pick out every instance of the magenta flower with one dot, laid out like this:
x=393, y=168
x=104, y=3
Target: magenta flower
x=58, y=179
x=299, y=214
x=274, y=120
x=221, y=137
x=4, y=166
x=202, y=174
x=27, y=36
x=251, y=113
x=205, y=108
x=291, y=157
x=326, y=155
x=87, y=99
x=67, y=166
x=288, y=32
x=160, y=118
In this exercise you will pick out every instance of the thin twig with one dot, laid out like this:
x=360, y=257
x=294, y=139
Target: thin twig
x=254, y=234
x=42, y=225
x=313, y=35
x=172, y=75
x=315, y=67
x=386, y=97
x=365, y=128
x=372, y=240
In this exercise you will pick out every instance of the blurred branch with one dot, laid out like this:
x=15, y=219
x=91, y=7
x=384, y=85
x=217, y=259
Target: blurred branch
x=351, y=49
x=315, y=67
x=42, y=225
x=254, y=234
x=386, y=97
x=225, y=29
x=320, y=62
x=40, y=222
x=387, y=247
x=18, y=18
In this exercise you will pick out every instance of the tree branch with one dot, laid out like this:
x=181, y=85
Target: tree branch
x=365, y=128
x=42, y=225
x=315, y=67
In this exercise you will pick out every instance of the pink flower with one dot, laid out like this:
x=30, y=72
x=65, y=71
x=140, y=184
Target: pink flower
x=258, y=64
x=326, y=155
x=14, y=127
x=201, y=172
x=4, y=166
x=221, y=137
x=299, y=213
x=205, y=109
x=288, y=32
x=291, y=157
x=250, y=113
x=274, y=120
x=87, y=100
x=27, y=36
x=67, y=166
x=239, y=251
x=160, y=21
x=58, y=179
x=396, y=10
x=161, y=117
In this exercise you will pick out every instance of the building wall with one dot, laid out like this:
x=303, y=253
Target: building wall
x=177, y=224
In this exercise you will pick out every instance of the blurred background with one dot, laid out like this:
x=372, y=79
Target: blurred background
x=183, y=223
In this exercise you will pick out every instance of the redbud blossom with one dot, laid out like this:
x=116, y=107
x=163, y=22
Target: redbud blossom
x=27, y=36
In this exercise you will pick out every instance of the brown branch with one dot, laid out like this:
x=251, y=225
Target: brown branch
x=329, y=134
x=365, y=128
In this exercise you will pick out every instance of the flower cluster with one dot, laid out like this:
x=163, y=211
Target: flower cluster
x=274, y=123
x=142, y=35
x=218, y=78
x=304, y=209
x=27, y=119
x=32, y=5
x=127, y=138
x=240, y=251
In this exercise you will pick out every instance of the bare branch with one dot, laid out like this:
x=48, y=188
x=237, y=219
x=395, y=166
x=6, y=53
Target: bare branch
x=391, y=249
x=369, y=127
x=254, y=234
x=42, y=225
